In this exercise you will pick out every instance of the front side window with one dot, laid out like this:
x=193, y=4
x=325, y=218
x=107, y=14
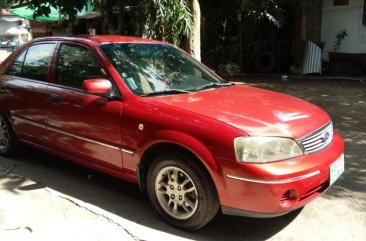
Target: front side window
x=37, y=61
x=76, y=64
x=150, y=69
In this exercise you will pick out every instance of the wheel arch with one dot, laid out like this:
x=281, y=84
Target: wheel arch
x=6, y=112
x=11, y=146
x=170, y=142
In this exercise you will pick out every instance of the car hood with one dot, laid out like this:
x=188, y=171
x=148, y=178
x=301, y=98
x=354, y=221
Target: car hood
x=257, y=112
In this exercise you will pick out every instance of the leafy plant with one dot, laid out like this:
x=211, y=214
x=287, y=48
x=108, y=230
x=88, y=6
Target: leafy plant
x=341, y=35
x=168, y=19
x=4, y=4
x=265, y=9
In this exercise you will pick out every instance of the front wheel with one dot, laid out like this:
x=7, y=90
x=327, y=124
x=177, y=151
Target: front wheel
x=181, y=191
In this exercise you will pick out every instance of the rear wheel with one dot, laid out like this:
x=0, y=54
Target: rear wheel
x=181, y=191
x=8, y=141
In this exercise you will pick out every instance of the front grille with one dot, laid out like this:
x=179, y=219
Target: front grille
x=318, y=140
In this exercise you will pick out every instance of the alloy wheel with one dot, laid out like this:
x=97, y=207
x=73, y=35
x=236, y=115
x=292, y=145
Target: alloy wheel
x=176, y=192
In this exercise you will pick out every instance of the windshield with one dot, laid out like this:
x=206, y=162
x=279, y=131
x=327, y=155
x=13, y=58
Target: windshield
x=153, y=69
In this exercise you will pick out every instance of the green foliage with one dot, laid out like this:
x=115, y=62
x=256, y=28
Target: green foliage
x=5, y=4
x=235, y=30
x=66, y=8
x=268, y=9
x=168, y=19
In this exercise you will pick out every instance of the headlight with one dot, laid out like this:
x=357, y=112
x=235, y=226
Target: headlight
x=265, y=149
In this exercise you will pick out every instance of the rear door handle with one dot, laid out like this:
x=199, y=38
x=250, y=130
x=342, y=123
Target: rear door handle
x=56, y=98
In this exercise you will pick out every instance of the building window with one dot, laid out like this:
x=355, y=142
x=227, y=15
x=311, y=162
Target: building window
x=340, y=2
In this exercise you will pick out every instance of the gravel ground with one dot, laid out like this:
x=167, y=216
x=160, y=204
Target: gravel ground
x=43, y=198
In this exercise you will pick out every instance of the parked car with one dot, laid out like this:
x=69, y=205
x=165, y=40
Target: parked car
x=8, y=41
x=147, y=112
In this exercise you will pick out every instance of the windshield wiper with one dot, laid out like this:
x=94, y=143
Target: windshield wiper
x=166, y=92
x=211, y=85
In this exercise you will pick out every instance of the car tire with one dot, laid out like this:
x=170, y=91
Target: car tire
x=182, y=191
x=8, y=140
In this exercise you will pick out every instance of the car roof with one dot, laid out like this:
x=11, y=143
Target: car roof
x=99, y=39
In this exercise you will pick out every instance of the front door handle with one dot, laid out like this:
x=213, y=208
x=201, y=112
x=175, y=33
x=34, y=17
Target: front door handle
x=56, y=98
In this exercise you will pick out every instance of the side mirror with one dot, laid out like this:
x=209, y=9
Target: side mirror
x=97, y=86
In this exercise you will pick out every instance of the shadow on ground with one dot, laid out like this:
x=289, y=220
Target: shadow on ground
x=125, y=199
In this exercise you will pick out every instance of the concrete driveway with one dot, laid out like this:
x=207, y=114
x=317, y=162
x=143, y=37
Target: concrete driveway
x=4, y=53
x=44, y=198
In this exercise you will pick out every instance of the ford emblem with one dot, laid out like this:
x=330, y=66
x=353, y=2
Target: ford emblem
x=326, y=136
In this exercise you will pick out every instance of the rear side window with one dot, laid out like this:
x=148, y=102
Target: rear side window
x=37, y=61
x=16, y=69
x=34, y=62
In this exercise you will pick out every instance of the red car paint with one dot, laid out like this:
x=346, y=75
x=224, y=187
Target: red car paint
x=113, y=135
x=96, y=86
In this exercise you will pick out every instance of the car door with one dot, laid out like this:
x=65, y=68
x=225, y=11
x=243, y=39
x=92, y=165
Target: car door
x=83, y=125
x=24, y=90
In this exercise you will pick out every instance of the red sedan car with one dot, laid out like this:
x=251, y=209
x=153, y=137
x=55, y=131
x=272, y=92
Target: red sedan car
x=146, y=112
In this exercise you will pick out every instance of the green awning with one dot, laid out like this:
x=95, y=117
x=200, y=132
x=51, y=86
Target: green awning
x=54, y=16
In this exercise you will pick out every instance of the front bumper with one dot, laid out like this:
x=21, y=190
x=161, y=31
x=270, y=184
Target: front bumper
x=273, y=189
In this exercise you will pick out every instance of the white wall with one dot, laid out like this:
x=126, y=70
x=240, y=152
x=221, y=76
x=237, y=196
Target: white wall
x=337, y=18
x=6, y=25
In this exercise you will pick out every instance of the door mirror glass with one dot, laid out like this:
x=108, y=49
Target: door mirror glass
x=97, y=86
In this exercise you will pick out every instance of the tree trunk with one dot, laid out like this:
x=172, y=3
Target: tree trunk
x=194, y=38
x=240, y=41
x=121, y=23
